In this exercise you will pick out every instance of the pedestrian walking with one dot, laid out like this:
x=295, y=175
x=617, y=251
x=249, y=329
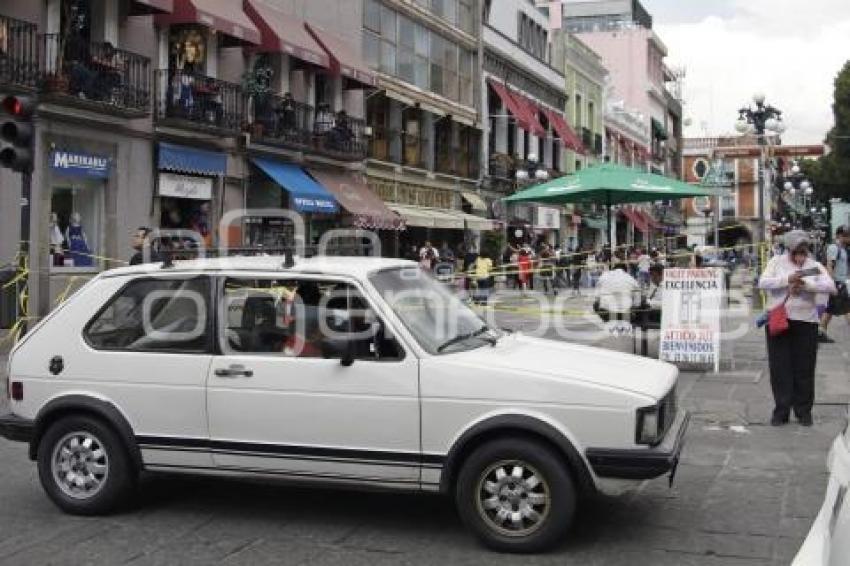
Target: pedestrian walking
x=793, y=281
x=139, y=242
x=524, y=269
x=547, y=269
x=428, y=256
x=838, y=267
x=482, y=271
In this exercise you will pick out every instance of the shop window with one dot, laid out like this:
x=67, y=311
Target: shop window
x=187, y=49
x=75, y=225
x=186, y=214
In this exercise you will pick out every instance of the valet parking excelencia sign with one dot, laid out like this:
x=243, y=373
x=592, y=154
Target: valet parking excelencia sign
x=690, y=316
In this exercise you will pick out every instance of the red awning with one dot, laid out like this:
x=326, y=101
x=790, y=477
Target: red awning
x=533, y=113
x=355, y=196
x=343, y=56
x=637, y=220
x=649, y=220
x=516, y=109
x=224, y=16
x=142, y=7
x=568, y=136
x=282, y=33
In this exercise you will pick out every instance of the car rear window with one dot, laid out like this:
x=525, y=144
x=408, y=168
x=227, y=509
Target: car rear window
x=158, y=315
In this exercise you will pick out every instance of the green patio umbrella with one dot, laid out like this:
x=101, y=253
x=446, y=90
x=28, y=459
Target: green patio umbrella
x=609, y=185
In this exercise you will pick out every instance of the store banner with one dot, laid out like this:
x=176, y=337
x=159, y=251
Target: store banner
x=79, y=164
x=547, y=218
x=690, y=316
x=185, y=186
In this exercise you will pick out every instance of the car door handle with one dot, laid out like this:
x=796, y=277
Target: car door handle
x=234, y=371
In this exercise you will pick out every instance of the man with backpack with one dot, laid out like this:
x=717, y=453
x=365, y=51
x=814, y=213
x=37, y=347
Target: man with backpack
x=839, y=268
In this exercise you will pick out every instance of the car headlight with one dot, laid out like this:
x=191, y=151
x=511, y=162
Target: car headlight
x=648, y=426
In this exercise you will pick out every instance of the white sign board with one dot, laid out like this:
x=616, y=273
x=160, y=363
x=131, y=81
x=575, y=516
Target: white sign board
x=548, y=218
x=690, y=316
x=185, y=186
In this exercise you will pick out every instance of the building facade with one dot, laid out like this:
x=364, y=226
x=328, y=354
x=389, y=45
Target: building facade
x=176, y=114
x=528, y=130
x=425, y=145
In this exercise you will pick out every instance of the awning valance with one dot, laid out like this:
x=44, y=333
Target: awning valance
x=343, y=55
x=307, y=195
x=224, y=16
x=424, y=217
x=474, y=200
x=184, y=159
x=356, y=197
x=569, y=138
x=650, y=220
x=282, y=33
x=476, y=223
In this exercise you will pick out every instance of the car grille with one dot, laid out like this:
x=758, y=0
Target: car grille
x=667, y=410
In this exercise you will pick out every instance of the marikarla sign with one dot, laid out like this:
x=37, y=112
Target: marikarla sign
x=79, y=164
x=690, y=316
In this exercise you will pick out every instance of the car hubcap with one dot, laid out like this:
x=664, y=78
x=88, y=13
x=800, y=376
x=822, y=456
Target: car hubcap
x=513, y=498
x=80, y=465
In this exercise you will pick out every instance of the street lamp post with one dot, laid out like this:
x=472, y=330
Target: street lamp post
x=527, y=172
x=759, y=120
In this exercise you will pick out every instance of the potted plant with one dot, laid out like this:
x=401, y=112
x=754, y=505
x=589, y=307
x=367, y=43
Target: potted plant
x=256, y=85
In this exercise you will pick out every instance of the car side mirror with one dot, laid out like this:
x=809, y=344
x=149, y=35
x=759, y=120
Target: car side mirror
x=339, y=348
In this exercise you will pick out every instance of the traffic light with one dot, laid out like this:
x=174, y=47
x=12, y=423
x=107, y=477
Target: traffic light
x=16, y=131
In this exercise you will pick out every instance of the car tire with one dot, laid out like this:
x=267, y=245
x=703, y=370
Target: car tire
x=84, y=467
x=516, y=495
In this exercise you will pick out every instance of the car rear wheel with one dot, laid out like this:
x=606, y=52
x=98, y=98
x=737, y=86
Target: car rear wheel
x=84, y=467
x=516, y=495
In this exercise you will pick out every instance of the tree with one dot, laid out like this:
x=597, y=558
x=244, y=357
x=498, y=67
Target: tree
x=832, y=177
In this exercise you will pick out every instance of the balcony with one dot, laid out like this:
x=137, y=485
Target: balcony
x=283, y=122
x=199, y=102
x=338, y=135
x=96, y=75
x=18, y=53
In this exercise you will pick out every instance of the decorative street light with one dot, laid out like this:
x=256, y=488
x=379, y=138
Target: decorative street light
x=758, y=120
x=527, y=172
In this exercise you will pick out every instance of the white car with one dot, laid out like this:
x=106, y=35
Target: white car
x=828, y=543
x=355, y=371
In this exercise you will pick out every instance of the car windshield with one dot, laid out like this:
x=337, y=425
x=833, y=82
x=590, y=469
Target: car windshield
x=439, y=321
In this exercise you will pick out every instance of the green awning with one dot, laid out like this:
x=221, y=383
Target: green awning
x=611, y=184
x=595, y=223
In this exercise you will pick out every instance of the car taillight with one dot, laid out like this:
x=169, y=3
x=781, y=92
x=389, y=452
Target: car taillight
x=16, y=391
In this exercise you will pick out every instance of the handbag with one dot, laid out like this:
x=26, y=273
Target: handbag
x=777, y=319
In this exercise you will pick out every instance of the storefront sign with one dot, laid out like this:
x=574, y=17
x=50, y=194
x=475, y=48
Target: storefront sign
x=547, y=218
x=314, y=204
x=185, y=186
x=79, y=164
x=690, y=316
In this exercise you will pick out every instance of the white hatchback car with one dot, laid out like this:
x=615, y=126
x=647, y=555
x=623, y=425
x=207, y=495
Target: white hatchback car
x=355, y=371
x=828, y=543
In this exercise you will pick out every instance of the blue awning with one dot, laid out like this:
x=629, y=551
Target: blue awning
x=184, y=159
x=307, y=195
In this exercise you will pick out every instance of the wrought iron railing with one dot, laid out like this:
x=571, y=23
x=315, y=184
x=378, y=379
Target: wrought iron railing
x=339, y=135
x=18, y=52
x=96, y=72
x=200, y=100
x=282, y=120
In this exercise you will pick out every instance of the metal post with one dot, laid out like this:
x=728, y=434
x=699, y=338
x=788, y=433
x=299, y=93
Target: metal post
x=26, y=209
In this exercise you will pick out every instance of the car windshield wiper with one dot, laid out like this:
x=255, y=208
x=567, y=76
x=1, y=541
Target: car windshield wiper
x=467, y=336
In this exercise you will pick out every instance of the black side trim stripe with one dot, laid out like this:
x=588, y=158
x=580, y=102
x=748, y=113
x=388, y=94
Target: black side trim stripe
x=290, y=451
x=298, y=474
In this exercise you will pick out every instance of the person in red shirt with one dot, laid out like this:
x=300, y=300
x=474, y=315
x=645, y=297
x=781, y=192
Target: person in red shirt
x=524, y=264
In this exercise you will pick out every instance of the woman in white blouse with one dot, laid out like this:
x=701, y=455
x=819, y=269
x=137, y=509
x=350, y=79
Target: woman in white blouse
x=792, y=355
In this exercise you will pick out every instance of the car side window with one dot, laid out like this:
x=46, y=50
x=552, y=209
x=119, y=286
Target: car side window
x=159, y=315
x=298, y=317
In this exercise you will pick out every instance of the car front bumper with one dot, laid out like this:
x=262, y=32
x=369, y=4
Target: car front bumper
x=16, y=428
x=828, y=542
x=642, y=463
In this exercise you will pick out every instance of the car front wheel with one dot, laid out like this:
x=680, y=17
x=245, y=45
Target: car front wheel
x=83, y=467
x=516, y=495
